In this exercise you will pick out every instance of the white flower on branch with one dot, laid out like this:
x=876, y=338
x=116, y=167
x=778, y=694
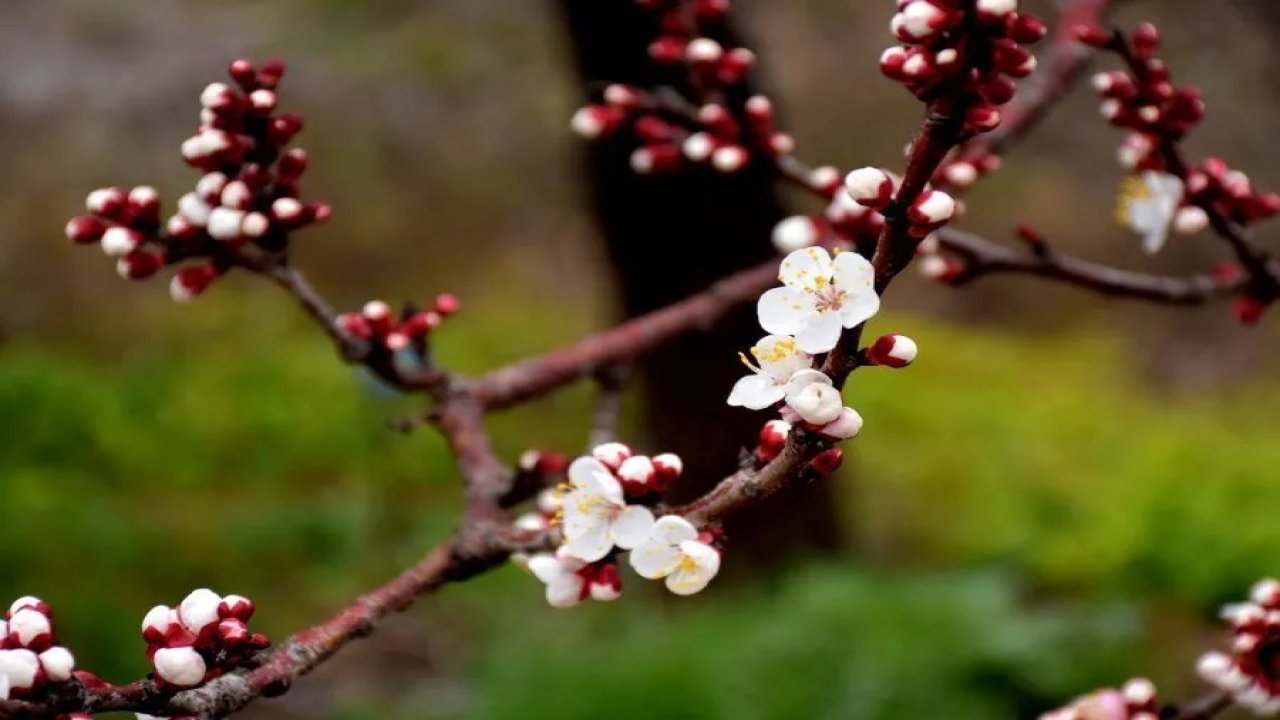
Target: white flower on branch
x=820, y=297
x=596, y=518
x=570, y=580
x=812, y=396
x=673, y=551
x=1147, y=206
x=779, y=360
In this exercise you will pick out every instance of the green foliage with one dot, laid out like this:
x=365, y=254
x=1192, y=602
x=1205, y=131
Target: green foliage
x=831, y=643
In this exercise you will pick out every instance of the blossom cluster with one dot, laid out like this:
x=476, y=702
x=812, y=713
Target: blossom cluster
x=245, y=201
x=673, y=132
x=1165, y=195
x=821, y=296
x=974, y=49
x=1137, y=700
x=605, y=509
x=1248, y=671
x=30, y=657
x=377, y=323
x=205, y=636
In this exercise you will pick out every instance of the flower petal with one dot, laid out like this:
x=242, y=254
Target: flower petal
x=692, y=576
x=852, y=272
x=804, y=379
x=565, y=591
x=859, y=307
x=546, y=567
x=784, y=310
x=585, y=472
x=821, y=334
x=806, y=269
x=591, y=543
x=673, y=530
x=1154, y=239
x=655, y=559
x=632, y=527
x=756, y=392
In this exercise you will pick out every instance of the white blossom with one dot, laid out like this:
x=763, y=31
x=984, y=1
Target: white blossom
x=673, y=551
x=812, y=396
x=819, y=297
x=779, y=359
x=199, y=609
x=595, y=515
x=559, y=572
x=1148, y=204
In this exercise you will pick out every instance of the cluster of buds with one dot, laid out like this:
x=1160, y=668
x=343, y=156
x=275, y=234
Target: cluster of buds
x=1142, y=100
x=672, y=136
x=1230, y=192
x=877, y=188
x=247, y=198
x=680, y=41
x=674, y=132
x=641, y=477
x=377, y=323
x=773, y=438
x=29, y=655
x=973, y=49
x=844, y=224
x=1135, y=701
x=204, y=637
x=1249, y=672
x=965, y=169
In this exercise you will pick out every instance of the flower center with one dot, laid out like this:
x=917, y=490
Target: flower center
x=828, y=298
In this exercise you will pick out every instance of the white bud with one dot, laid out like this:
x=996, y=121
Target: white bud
x=199, y=609
x=224, y=223
x=213, y=94
x=698, y=146
x=237, y=195
x=262, y=100
x=611, y=454
x=28, y=624
x=869, y=185
x=191, y=207
x=1190, y=220
x=794, y=233
x=531, y=521
x=286, y=209
x=704, y=50
x=934, y=266
x=255, y=225
x=1110, y=108
x=143, y=195
x=376, y=310
x=935, y=206
x=1139, y=691
x=729, y=158
x=209, y=186
x=118, y=241
x=824, y=176
x=30, y=601
x=586, y=123
x=58, y=662
x=946, y=57
x=98, y=199
x=921, y=19
x=181, y=666
x=157, y=620
x=999, y=8
x=637, y=469
x=547, y=501
x=1265, y=592
x=668, y=463
x=642, y=161
x=20, y=667
x=961, y=174
x=817, y=403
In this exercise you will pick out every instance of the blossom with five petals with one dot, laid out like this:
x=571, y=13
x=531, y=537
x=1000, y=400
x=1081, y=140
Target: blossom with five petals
x=673, y=551
x=596, y=518
x=779, y=360
x=819, y=297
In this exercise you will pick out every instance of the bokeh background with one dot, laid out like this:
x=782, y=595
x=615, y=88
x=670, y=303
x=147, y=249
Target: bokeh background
x=1056, y=496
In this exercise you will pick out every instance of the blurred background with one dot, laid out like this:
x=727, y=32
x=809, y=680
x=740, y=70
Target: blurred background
x=1056, y=496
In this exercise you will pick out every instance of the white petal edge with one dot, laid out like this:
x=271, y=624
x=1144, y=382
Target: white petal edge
x=784, y=311
x=632, y=527
x=756, y=392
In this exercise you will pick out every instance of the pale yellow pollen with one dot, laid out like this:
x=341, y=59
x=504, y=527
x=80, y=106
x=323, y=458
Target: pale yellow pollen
x=1132, y=191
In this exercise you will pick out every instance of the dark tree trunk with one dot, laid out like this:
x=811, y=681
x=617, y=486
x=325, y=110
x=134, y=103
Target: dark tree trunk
x=667, y=237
